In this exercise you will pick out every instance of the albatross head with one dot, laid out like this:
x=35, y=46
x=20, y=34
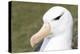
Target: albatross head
x=59, y=18
x=56, y=20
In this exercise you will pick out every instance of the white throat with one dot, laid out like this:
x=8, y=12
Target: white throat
x=59, y=42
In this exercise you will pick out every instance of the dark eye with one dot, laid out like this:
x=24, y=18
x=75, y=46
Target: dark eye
x=57, y=18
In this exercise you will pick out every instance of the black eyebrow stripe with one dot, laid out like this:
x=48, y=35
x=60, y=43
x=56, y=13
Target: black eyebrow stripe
x=57, y=18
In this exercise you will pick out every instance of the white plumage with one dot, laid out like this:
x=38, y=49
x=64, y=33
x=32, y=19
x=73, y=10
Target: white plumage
x=60, y=37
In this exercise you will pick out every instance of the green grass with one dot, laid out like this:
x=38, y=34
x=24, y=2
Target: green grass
x=26, y=19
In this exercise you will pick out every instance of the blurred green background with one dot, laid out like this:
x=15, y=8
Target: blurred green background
x=26, y=19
